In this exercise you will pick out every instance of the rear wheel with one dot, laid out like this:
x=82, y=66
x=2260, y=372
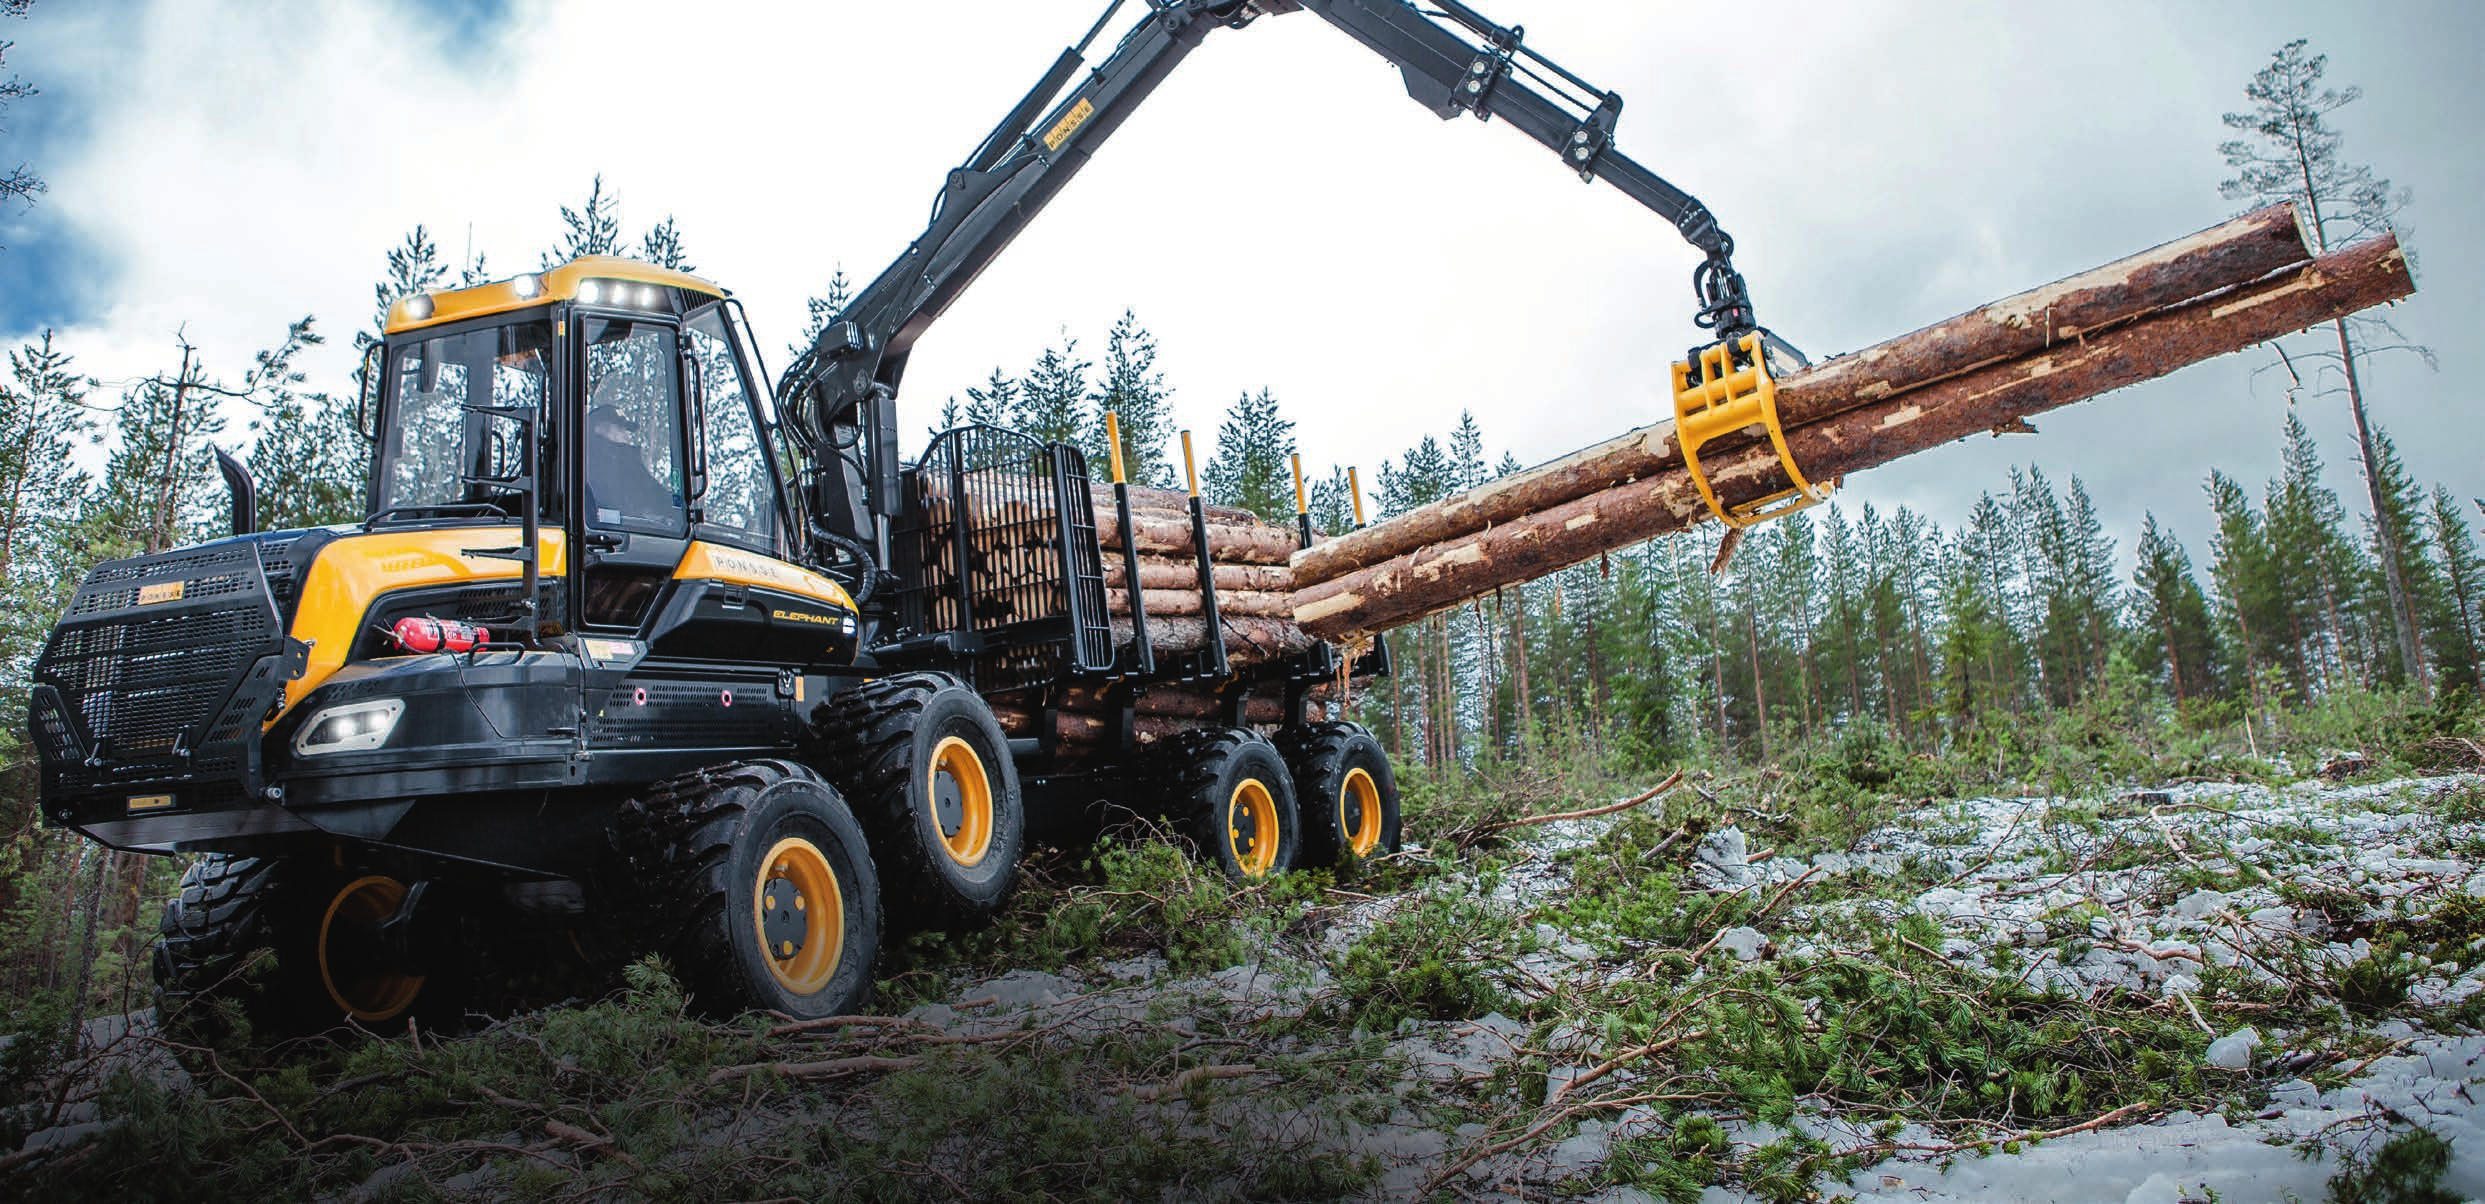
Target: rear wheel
x=1233, y=799
x=1348, y=796
x=928, y=773
x=756, y=884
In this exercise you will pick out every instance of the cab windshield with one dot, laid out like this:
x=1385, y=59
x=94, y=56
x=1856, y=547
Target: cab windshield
x=441, y=449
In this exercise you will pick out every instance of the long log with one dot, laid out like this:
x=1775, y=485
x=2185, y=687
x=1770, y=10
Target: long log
x=2231, y=253
x=1169, y=573
x=1258, y=603
x=1408, y=587
x=1164, y=534
x=1170, y=501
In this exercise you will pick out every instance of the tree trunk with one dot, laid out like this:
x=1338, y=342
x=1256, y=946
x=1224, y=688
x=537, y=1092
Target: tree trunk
x=2393, y=543
x=2231, y=253
x=2001, y=395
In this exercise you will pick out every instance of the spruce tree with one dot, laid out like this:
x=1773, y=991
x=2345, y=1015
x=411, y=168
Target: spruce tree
x=2459, y=632
x=662, y=246
x=43, y=418
x=1052, y=402
x=820, y=310
x=1250, y=467
x=308, y=463
x=2173, y=615
x=592, y=229
x=1134, y=389
x=2403, y=511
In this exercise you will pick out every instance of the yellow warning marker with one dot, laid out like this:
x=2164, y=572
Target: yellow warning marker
x=1113, y=436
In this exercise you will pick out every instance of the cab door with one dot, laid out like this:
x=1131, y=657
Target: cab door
x=635, y=483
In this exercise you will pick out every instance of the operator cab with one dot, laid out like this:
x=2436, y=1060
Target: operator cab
x=655, y=453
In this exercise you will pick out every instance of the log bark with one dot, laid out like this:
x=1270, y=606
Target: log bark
x=1170, y=535
x=1170, y=501
x=1409, y=587
x=1258, y=603
x=1156, y=573
x=1248, y=640
x=2231, y=253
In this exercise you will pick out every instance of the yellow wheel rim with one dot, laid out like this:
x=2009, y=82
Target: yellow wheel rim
x=354, y=972
x=799, y=915
x=1251, y=828
x=1359, y=812
x=961, y=794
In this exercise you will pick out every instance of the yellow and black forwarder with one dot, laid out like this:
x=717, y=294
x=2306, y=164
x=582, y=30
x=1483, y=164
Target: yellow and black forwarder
x=634, y=652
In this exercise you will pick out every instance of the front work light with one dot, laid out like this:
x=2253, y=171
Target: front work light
x=351, y=727
x=418, y=307
x=528, y=286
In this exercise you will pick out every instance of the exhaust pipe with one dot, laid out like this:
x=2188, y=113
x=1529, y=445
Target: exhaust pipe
x=245, y=494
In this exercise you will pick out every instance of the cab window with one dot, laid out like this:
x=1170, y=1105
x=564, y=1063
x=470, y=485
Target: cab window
x=633, y=436
x=740, y=494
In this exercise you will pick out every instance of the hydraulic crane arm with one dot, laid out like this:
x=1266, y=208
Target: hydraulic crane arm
x=839, y=398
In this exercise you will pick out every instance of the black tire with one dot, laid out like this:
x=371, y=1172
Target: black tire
x=326, y=969
x=709, y=854
x=927, y=770
x=1228, y=786
x=1345, y=791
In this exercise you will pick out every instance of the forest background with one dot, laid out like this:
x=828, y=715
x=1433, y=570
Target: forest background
x=2007, y=652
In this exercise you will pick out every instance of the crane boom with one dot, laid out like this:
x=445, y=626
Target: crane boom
x=839, y=397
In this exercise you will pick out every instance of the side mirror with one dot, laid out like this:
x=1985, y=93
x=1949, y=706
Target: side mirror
x=366, y=404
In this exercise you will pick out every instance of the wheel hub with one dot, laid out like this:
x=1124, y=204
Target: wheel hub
x=948, y=804
x=782, y=918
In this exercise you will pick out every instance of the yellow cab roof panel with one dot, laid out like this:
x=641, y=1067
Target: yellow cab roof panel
x=559, y=284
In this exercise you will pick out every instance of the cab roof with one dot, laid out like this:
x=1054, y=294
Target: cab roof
x=535, y=288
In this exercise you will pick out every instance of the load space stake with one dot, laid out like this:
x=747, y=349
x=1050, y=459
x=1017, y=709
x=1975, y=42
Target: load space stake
x=1719, y=392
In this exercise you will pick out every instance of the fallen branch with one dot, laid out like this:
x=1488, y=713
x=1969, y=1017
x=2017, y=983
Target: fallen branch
x=1183, y=1082
x=834, y=1068
x=1485, y=830
x=1917, y=1147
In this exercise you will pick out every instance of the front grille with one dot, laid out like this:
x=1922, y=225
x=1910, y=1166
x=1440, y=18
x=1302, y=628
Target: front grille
x=159, y=671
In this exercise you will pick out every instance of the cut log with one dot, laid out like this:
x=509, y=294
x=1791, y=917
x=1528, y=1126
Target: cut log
x=2232, y=253
x=1188, y=602
x=1170, y=501
x=1170, y=535
x=1248, y=640
x=1168, y=573
x=1408, y=587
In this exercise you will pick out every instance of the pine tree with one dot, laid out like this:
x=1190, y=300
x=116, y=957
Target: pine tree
x=2289, y=152
x=1250, y=467
x=413, y=267
x=993, y=403
x=1134, y=390
x=592, y=229
x=42, y=420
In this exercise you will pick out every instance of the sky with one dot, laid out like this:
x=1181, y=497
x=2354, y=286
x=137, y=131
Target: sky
x=1279, y=214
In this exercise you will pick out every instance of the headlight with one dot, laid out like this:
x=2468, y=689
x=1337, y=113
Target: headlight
x=353, y=727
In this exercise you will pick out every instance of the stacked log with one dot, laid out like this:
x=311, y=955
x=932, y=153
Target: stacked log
x=2142, y=318
x=1013, y=533
x=1084, y=722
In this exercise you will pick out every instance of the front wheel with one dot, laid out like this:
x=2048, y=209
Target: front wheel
x=928, y=773
x=330, y=961
x=757, y=885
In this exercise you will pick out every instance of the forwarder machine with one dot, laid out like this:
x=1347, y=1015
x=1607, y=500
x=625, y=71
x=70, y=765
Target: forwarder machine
x=633, y=653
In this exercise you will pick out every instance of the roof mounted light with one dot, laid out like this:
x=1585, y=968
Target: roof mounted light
x=590, y=292
x=527, y=286
x=418, y=307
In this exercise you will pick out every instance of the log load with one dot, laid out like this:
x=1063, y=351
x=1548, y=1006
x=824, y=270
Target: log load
x=2246, y=248
x=1085, y=725
x=1973, y=392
